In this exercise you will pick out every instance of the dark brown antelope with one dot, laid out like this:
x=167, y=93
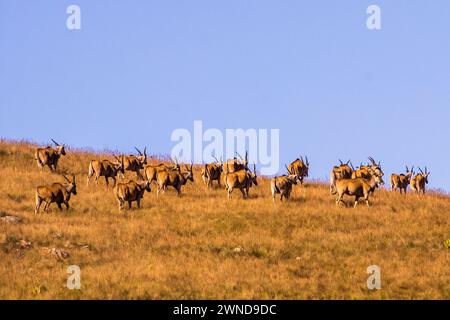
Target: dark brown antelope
x=49, y=156
x=300, y=167
x=283, y=185
x=105, y=168
x=135, y=163
x=401, y=181
x=57, y=192
x=419, y=181
x=175, y=179
x=131, y=192
x=241, y=179
x=211, y=172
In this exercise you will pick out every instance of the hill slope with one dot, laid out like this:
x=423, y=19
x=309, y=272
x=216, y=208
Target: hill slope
x=202, y=245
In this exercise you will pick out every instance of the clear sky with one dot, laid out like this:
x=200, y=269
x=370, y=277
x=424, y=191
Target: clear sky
x=137, y=70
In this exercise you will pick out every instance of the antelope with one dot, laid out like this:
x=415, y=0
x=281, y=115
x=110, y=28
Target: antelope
x=57, y=192
x=358, y=187
x=106, y=169
x=241, y=179
x=401, y=181
x=367, y=171
x=175, y=179
x=283, y=185
x=151, y=170
x=131, y=191
x=211, y=172
x=300, y=167
x=343, y=171
x=135, y=163
x=419, y=181
x=49, y=156
x=236, y=164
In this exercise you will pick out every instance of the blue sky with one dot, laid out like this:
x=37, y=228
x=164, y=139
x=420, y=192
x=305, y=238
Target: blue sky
x=137, y=70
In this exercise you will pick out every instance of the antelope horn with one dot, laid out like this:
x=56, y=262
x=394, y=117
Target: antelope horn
x=341, y=161
x=254, y=168
x=426, y=170
x=145, y=151
x=351, y=164
x=287, y=169
x=246, y=155
x=140, y=153
x=73, y=178
x=56, y=143
x=420, y=170
x=64, y=176
x=307, y=161
x=239, y=155
x=217, y=161
x=347, y=162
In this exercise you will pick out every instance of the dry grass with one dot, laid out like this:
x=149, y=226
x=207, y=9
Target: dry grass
x=180, y=248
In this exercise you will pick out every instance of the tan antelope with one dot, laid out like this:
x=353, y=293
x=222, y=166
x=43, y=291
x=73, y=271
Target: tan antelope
x=236, y=164
x=211, y=172
x=57, y=192
x=283, y=185
x=131, y=192
x=135, y=163
x=419, y=181
x=357, y=187
x=151, y=170
x=49, y=156
x=241, y=179
x=105, y=168
x=401, y=181
x=343, y=171
x=175, y=179
x=300, y=167
x=367, y=171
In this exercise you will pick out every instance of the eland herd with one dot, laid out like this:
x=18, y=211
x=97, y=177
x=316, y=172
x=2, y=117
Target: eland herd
x=233, y=173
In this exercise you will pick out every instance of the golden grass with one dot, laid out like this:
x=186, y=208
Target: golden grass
x=184, y=248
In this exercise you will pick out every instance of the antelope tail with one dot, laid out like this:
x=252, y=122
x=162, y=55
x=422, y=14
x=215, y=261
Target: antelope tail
x=276, y=187
x=91, y=169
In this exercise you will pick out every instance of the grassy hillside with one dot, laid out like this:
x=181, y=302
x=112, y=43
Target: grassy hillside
x=202, y=245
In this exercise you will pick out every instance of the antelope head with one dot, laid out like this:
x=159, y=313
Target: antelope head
x=375, y=168
x=245, y=160
x=424, y=174
x=409, y=173
x=119, y=166
x=71, y=185
x=142, y=156
x=253, y=176
x=306, y=163
x=189, y=175
x=292, y=177
x=60, y=148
